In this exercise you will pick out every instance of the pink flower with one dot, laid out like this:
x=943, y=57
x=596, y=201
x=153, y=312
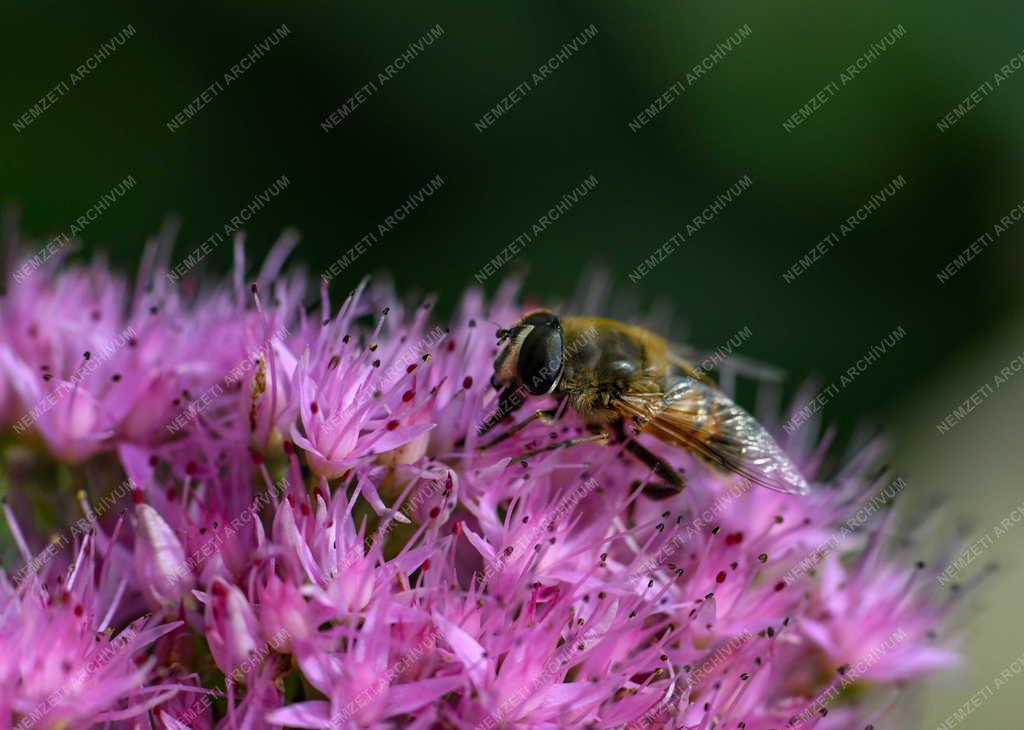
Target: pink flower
x=64, y=661
x=285, y=613
x=879, y=626
x=349, y=410
x=369, y=563
x=370, y=681
x=91, y=364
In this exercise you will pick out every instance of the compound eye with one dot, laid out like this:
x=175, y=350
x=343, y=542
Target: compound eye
x=540, y=359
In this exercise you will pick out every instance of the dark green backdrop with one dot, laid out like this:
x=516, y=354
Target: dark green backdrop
x=574, y=124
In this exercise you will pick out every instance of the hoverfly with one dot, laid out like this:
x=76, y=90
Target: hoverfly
x=618, y=376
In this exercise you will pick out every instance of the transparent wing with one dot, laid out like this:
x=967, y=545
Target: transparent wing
x=683, y=358
x=701, y=419
x=700, y=364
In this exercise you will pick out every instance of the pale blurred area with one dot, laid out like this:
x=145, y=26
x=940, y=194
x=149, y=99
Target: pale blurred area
x=975, y=469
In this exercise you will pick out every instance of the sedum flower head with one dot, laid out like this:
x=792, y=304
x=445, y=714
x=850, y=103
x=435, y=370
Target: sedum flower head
x=316, y=519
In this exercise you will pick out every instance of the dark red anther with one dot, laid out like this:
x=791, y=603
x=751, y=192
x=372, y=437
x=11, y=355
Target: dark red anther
x=408, y=396
x=137, y=496
x=780, y=585
x=720, y=578
x=392, y=425
x=426, y=565
x=411, y=367
x=435, y=512
x=256, y=456
x=467, y=382
x=191, y=468
x=314, y=408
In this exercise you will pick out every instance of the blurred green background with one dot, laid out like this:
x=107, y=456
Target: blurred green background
x=575, y=123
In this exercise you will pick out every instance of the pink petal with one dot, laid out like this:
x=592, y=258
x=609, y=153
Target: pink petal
x=313, y=714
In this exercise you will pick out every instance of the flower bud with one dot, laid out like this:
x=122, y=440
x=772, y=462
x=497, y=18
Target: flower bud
x=160, y=565
x=284, y=615
x=232, y=629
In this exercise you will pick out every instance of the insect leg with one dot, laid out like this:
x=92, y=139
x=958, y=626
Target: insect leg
x=545, y=416
x=510, y=400
x=603, y=436
x=673, y=479
x=671, y=476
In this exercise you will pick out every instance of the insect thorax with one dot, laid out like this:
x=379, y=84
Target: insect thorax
x=600, y=363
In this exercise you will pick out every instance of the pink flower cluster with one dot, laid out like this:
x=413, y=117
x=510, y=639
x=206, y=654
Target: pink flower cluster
x=231, y=509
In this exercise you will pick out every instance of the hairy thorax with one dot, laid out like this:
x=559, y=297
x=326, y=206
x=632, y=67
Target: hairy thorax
x=602, y=361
